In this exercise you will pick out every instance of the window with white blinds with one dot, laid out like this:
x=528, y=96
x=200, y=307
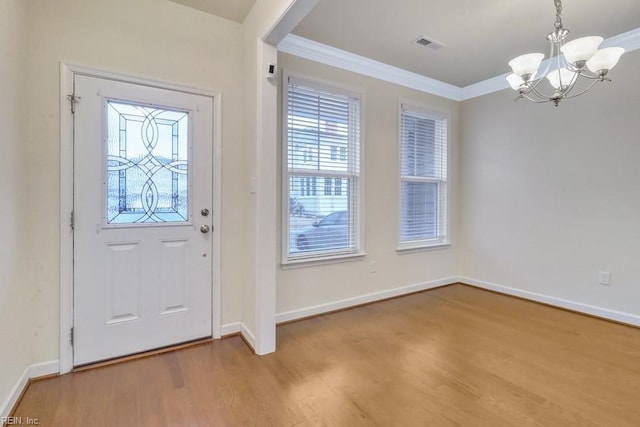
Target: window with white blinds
x=322, y=180
x=423, y=177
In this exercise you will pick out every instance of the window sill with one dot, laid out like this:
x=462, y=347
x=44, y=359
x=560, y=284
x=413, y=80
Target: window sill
x=335, y=259
x=421, y=247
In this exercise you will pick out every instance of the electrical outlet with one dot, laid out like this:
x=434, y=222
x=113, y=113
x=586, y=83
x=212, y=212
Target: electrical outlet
x=604, y=277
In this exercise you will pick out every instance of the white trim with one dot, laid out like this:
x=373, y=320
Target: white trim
x=315, y=310
x=265, y=199
x=242, y=329
x=284, y=173
x=230, y=329
x=66, y=207
x=354, y=92
x=485, y=87
x=290, y=19
x=30, y=372
x=442, y=241
x=42, y=369
x=317, y=260
x=216, y=278
x=248, y=336
x=412, y=248
x=128, y=78
x=314, y=51
x=67, y=72
x=605, y=313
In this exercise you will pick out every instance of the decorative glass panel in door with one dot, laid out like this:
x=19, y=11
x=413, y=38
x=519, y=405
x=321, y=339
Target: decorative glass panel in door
x=147, y=164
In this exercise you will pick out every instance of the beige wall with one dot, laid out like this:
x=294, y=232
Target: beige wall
x=153, y=39
x=16, y=292
x=544, y=197
x=552, y=195
x=300, y=288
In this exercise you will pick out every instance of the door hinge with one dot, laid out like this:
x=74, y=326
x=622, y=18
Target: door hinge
x=73, y=100
x=71, y=337
x=72, y=221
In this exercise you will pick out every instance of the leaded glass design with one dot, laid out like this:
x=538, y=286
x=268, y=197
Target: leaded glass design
x=147, y=164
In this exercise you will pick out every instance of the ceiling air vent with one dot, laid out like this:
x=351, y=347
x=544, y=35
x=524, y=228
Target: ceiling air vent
x=425, y=42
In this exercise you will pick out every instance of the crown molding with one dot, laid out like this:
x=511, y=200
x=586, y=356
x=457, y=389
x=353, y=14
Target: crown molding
x=314, y=51
x=485, y=87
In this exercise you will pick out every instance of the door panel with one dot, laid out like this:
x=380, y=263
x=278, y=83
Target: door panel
x=142, y=176
x=123, y=282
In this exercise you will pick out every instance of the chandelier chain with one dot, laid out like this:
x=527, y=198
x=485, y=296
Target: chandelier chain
x=558, y=23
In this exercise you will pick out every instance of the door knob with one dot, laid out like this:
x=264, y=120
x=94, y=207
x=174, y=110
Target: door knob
x=204, y=229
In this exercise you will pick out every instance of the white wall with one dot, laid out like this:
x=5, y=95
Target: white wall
x=154, y=39
x=552, y=195
x=16, y=292
x=300, y=288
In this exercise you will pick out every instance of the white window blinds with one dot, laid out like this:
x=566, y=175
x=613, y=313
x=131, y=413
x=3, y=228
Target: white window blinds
x=423, y=179
x=323, y=171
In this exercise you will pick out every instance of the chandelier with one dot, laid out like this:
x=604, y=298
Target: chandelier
x=579, y=60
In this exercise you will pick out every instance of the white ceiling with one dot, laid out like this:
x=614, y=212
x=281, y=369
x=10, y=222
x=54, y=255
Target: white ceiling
x=234, y=10
x=480, y=36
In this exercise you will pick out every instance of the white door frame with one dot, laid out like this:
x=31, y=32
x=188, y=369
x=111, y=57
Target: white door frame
x=67, y=73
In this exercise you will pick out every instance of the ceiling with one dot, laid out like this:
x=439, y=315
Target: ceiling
x=480, y=37
x=234, y=10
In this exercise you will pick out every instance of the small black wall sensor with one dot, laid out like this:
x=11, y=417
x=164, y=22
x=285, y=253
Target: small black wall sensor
x=271, y=71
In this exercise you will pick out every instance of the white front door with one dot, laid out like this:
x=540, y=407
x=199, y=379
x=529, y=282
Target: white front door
x=142, y=218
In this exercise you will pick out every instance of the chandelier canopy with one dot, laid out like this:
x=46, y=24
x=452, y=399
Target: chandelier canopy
x=579, y=60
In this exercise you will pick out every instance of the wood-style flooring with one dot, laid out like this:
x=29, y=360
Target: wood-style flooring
x=454, y=356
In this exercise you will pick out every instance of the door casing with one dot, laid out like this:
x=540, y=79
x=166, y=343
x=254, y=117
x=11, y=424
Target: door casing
x=67, y=72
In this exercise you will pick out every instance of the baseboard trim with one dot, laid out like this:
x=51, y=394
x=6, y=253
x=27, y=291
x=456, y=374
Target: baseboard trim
x=229, y=329
x=248, y=336
x=30, y=373
x=604, y=313
x=239, y=328
x=303, y=313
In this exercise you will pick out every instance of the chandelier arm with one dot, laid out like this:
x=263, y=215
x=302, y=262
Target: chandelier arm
x=548, y=66
x=535, y=91
x=535, y=101
x=534, y=84
x=594, y=77
x=525, y=94
x=595, y=82
x=571, y=84
x=552, y=56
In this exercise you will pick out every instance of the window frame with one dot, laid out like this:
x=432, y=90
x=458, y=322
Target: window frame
x=357, y=217
x=443, y=215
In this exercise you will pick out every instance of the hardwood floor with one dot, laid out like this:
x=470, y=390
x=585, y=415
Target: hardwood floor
x=454, y=356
